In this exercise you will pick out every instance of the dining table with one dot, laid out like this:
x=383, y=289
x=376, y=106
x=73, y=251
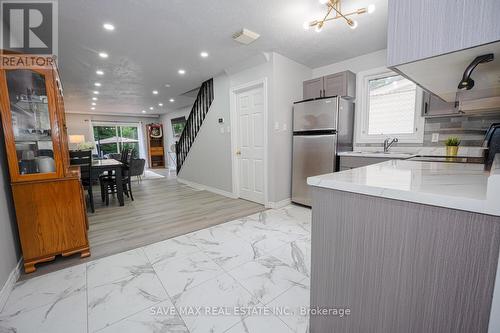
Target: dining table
x=110, y=165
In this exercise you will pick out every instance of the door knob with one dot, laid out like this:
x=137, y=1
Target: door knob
x=238, y=152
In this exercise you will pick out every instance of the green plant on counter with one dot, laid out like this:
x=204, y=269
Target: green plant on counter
x=452, y=141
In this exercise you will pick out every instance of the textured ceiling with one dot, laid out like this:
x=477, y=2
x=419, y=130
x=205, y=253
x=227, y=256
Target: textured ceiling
x=154, y=38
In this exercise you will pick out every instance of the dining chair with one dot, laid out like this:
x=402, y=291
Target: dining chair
x=127, y=155
x=83, y=158
x=108, y=182
x=114, y=156
x=135, y=169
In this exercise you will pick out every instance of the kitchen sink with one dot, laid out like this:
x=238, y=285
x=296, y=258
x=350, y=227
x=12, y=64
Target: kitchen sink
x=381, y=154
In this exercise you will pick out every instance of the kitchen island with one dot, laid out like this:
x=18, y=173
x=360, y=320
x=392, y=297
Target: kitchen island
x=407, y=247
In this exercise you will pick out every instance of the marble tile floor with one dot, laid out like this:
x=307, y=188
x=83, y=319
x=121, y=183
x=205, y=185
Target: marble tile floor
x=244, y=276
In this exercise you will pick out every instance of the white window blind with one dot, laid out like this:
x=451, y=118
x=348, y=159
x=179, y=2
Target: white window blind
x=391, y=106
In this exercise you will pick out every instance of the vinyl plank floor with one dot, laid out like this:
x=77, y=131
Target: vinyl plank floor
x=163, y=208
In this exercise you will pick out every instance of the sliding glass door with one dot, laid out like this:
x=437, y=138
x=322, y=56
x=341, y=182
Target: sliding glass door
x=113, y=138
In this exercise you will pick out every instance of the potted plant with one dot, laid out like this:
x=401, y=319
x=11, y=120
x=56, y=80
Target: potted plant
x=452, y=144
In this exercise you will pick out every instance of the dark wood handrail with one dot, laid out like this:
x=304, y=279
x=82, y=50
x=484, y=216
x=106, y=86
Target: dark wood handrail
x=195, y=120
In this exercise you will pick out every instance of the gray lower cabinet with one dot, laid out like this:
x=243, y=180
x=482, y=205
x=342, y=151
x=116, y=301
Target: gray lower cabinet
x=400, y=266
x=352, y=162
x=313, y=88
x=436, y=107
x=427, y=28
x=338, y=84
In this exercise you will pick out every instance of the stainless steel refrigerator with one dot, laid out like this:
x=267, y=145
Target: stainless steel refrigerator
x=321, y=129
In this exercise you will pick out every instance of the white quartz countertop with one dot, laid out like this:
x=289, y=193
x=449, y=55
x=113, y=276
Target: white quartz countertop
x=453, y=185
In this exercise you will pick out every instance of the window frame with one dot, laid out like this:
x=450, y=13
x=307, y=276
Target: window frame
x=117, y=126
x=362, y=114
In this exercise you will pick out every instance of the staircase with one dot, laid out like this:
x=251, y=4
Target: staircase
x=195, y=120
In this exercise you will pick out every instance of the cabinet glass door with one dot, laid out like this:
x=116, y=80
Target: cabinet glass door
x=31, y=123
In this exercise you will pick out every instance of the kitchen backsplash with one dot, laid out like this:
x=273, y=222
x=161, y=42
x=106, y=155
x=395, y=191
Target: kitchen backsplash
x=471, y=130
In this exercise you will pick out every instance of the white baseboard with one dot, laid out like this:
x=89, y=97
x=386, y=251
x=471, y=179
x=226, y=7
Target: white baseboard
x=279, y=204
x=207, y=188
x=9, y=284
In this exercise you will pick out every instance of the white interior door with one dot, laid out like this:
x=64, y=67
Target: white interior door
x=250, y=113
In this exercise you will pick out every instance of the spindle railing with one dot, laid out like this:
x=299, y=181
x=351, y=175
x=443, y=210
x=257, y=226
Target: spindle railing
x=195, y=120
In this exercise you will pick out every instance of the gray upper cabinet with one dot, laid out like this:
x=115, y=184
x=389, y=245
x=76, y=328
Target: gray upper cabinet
x=427, y=28
x=313, y=88
x=338, y=84
x=436, y=107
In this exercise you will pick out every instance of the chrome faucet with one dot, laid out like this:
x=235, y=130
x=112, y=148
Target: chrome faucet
x=388, y=143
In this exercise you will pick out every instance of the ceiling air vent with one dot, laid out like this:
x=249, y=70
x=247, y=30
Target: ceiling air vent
x=245, y=36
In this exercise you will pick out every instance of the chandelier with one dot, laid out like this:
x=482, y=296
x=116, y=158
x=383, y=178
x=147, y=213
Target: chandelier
x=334, y=12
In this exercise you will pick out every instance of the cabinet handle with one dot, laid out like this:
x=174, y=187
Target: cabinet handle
x=426, y=107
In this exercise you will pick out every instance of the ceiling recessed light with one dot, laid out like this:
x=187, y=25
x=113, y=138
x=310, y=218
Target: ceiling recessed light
x=99, y=72
x=167, y=85
x=204, y=54
x=143, y=111
x=181, y=71
x=108, y=26
x=92, y=108
x=160, y=104
x=171, y=100
x=103, y=55
x=96, y=92
x=155, y=92
x=94, y=98
x=151, y=108
x=94, y=104
x=97, y=84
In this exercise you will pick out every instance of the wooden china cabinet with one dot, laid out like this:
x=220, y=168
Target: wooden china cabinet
x=48, y=196
x=155, y=146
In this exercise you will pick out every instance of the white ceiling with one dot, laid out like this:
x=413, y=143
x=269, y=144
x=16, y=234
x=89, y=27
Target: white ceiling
x=154, y=38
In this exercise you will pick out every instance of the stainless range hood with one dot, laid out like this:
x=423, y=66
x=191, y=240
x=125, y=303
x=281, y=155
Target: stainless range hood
x=441, y=75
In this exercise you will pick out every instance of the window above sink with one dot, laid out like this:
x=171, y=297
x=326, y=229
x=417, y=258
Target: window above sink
x=389, y=105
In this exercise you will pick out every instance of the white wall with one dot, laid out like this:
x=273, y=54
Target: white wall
x=9, y=240
x=287, y=81
x=362, y=63
x=168, y=133
x=209, y=160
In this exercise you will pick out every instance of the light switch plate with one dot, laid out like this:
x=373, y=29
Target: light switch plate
x=435, y=137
